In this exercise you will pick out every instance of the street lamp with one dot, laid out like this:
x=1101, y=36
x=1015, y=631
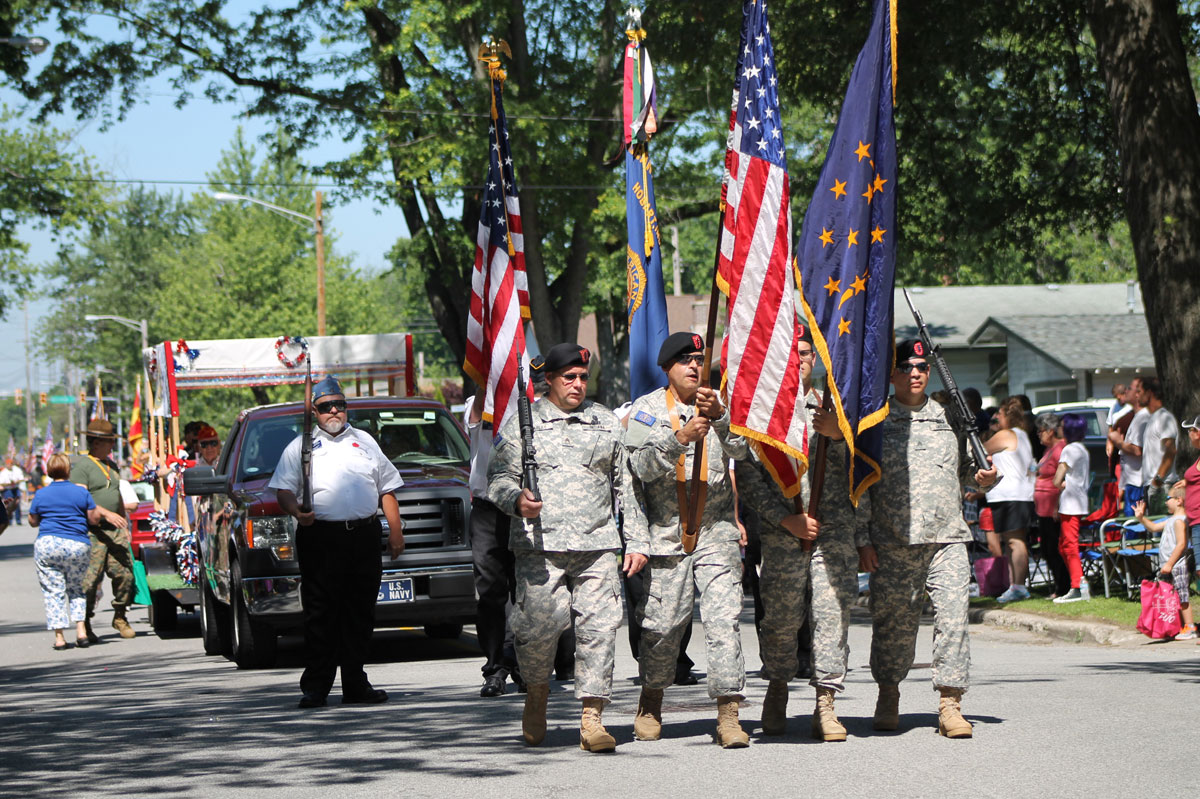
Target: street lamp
x=132, y=324
x=318, y=226
x=34, y=44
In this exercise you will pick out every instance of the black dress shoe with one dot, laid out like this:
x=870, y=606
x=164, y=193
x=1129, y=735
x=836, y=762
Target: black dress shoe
x=493, y=685
x=685, y=677
x=372, y=696
x=310, y=701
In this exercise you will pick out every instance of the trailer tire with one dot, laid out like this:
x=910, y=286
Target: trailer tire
x=164, y=612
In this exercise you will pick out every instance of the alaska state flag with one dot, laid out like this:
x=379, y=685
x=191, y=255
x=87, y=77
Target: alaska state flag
x=847, y=252
x=647, y=303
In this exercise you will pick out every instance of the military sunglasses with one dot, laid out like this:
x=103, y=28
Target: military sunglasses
x=694, y=357
x=908, y=366
x=212, y=442
x=573, y=376
x=332, y=406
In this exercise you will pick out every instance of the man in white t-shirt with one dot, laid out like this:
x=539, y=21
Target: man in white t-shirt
x=1129, y=446
x=12, y=480
x=337, y=543
x=1158, y=448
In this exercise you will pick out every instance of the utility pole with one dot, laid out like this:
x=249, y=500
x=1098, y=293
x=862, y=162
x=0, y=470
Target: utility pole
x=676, y=261
x=318, y=220
x=28, y=386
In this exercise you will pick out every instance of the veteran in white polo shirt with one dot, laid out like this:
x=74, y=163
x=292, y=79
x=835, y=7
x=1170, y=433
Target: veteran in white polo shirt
x=338, y=545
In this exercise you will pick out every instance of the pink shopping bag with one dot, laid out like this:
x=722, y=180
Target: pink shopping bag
x=1160, y=610
x=992, y=576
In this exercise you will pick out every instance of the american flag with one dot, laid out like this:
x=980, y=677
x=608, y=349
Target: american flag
x=499, y=286
x=762, y=376
x=48, y=444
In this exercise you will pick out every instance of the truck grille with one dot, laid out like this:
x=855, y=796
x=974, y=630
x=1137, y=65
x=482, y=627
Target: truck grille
x=431, y=522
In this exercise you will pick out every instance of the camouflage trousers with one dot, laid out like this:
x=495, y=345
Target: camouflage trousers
x=832, y=568
x=672, y=581
x=110, y=555
x=898, y=589
x=554, y=590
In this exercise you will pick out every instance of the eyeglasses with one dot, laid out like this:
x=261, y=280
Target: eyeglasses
x=695, y=358
x=332, y=406
x=571, y=378
x=908, y=366
x=212, y=443
x=806, y=354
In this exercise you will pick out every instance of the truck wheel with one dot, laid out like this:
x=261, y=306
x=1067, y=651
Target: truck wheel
x=214, y=623
x=164, y=613
x=444, y=630
x=253, y=642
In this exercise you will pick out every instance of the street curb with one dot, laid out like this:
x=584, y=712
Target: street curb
x=1072, y=631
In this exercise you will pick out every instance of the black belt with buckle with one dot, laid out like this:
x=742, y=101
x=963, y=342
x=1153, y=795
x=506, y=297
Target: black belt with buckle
x=354, y=524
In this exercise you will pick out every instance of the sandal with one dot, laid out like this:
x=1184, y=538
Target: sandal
x=62, y=647
x=82, y=643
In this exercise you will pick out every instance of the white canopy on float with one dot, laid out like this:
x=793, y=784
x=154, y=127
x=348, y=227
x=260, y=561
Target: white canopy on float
x=233, y=363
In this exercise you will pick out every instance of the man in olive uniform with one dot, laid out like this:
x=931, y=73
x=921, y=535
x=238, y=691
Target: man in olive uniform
x=920, y=537
x=787, y=568
x=111, y=553
x=662, y=429
x=567, y=545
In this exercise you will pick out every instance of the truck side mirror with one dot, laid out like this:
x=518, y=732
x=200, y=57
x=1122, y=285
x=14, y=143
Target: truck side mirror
x=200, y=481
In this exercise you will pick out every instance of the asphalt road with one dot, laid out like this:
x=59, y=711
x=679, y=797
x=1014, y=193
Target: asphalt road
x=156, y=717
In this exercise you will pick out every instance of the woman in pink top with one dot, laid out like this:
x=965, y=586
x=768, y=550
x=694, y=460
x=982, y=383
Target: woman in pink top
x=1191, y=481
x=1045, y=500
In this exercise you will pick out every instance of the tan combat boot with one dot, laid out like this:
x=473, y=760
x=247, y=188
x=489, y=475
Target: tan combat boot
x=592, y=735
x=647, y=724
x=121, y=625
x=887, y=708
x=730, y=734
x=950, y=719
x=825, y=724
x=774, y=712
x=533, y=720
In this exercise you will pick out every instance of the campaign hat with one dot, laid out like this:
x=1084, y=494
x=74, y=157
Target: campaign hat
x=100, y=428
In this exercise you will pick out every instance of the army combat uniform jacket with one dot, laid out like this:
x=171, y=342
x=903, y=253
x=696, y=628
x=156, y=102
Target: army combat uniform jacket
x=918, y=499
x=654, y=452
x=583, y=477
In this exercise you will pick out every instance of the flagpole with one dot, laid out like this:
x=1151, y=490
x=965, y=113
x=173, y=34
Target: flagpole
x=816, y=475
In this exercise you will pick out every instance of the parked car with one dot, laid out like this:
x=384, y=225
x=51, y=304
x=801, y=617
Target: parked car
x=1094, y=440
x=250, y=577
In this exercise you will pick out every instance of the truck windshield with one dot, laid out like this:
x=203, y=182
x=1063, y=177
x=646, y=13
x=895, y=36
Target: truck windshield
x=408, y=436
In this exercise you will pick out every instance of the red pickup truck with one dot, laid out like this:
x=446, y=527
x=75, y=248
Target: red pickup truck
x=249, y=575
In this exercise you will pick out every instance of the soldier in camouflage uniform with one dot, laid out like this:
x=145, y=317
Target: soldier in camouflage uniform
x=920, y=537
x=661, y=430
x=786, y=567
x=567, y=547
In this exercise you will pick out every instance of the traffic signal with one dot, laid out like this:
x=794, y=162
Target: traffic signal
x=42, y=398
x=17, y=396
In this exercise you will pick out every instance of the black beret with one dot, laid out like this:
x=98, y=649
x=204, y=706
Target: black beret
x=805, y=334
x=563, y=355
x=537, y=363
x=677, y=344
x=910, y=347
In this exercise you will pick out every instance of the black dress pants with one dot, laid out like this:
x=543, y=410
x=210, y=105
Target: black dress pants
x=340, y=571
x=495, y=585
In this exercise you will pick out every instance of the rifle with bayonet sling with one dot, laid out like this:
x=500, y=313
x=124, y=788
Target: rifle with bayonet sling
x=960, y=416
x=306, y=444
x=525, y=420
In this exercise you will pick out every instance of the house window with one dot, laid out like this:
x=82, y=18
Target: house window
x=1052, y=395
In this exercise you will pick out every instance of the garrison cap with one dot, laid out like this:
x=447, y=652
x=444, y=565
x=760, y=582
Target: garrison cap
x=328, y=385
x=677, y=344
x=566, y=354
x=910, y=348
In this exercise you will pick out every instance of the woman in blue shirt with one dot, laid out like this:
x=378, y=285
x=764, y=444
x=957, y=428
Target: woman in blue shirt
x=62, y=512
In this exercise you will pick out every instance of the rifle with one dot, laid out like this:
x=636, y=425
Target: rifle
x=528, y=452
x=306, y=444
x=960, y=416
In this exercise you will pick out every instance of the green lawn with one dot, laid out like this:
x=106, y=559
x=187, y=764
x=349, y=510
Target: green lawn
x=1114, y=610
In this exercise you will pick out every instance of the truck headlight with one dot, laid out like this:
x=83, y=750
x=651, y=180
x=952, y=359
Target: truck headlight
x=276, y=533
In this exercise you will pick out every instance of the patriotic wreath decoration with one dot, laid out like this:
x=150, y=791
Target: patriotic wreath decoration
x=184, y=351
x=284, y=341
x=187, y=556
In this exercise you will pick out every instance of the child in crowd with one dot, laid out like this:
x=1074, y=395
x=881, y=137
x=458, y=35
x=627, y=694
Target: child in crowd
x=1172, y=553
x=1071, y=477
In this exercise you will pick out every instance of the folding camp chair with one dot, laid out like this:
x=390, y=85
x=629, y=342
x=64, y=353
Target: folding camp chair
x=1132, y=555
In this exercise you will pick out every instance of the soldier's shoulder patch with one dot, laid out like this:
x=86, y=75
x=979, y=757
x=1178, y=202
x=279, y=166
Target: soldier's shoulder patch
x=498, y=440
x=644, y=418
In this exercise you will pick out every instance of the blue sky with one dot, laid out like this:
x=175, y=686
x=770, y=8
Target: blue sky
x=158, y=142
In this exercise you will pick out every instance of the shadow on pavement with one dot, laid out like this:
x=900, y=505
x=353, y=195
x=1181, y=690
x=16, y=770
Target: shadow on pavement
x=1184, y=670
